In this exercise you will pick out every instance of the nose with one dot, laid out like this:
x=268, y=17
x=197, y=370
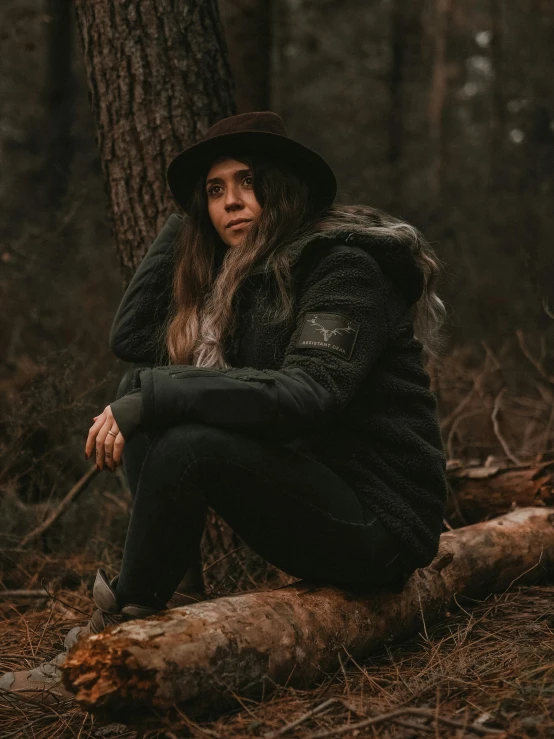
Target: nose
x=233, y=199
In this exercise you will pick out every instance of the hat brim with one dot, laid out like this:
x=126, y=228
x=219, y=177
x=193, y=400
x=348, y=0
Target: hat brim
x=185, y=169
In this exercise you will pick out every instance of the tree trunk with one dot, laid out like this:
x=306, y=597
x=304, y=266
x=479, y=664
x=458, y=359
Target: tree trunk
x=201, y=656
x=484, y=492
x=59, y=102
x=406, y=61
x=248, y=33
x=158, y=77
x=396, y=88
x=438, y=95
x=498, y=104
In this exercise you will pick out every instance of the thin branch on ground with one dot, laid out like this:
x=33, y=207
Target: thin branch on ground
x=494, y=418
x=537, y=363
x=61, y=508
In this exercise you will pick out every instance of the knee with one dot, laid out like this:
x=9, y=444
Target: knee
x=192, y=441
x=188, y=450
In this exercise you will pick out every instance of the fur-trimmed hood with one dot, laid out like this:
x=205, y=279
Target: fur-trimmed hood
x=391, y=250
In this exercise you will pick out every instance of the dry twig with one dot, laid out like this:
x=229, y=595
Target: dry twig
x=61, y=508
x=537, y=363
x=391, y=715
x=494, y=418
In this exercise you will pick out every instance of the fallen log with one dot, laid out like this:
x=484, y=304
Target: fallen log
x=488, y=491
x=202, y=656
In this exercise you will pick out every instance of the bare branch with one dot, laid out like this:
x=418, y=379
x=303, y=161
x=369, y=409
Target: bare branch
x=61, y=508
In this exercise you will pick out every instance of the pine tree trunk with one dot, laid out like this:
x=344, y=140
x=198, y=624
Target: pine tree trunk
x=249, y=39
x=498, y=103
x=406, y=61
x=158, y=77
x=438, y=94
x=59, y=100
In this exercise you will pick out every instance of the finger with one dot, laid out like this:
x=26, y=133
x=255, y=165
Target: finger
x=93, y=431
x=111, y=436
x=100, y=441
x=119, y=443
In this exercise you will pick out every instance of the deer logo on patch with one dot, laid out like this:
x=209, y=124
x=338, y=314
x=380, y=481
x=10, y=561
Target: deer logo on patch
x=330, y=331
x=327, y=333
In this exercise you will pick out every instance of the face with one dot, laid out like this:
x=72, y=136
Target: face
x=230, y=193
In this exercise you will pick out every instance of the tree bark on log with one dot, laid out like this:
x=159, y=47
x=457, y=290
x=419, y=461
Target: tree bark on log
x=201, y=656
x=158, y=77
x=478, y=493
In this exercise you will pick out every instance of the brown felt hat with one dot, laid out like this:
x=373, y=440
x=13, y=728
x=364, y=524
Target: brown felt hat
x=250, y=133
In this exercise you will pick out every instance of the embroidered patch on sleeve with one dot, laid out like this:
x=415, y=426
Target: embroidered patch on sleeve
x=329, y=331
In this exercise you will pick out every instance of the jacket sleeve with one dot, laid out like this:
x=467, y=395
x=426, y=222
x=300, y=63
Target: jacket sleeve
x=127, y=412
x=343, y=295
x=135, y=332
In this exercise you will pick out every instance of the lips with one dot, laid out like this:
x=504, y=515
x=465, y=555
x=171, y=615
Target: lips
x=238, y=222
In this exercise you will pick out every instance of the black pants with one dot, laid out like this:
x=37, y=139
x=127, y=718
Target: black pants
x=294, y=511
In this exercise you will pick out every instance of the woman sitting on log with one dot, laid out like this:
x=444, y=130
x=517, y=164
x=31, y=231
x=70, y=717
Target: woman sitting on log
x=277, y=379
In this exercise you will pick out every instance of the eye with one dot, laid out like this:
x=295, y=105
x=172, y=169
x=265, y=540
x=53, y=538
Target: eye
x=212, y=188
x=250, y=178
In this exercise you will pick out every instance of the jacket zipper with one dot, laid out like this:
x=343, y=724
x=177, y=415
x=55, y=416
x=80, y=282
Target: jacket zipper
x=211, y=373
x=194, y=373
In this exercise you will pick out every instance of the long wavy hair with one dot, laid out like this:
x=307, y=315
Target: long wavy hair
x=429, y=312
x=202, y=315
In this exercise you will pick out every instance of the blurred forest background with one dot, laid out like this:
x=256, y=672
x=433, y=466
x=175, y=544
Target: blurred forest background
x=438, y=112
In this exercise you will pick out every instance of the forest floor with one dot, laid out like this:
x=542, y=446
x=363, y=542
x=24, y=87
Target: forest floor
x=487, y=670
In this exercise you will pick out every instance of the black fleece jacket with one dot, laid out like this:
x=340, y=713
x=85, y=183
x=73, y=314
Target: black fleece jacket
x=342, y=381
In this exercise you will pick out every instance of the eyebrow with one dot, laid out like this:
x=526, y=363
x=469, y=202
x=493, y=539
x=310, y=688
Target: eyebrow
x=238, y=173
